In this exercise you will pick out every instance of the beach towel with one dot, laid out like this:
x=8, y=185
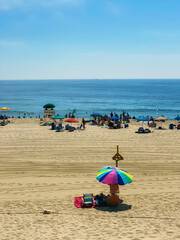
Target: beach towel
x=78, y=202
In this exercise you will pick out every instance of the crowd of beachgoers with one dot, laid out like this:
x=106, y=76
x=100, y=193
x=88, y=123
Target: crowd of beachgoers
x=112, y=122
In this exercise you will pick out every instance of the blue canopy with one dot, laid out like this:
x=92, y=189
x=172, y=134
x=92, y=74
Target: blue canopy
x=96, y=115
x=177, y=118
x=114, y=118
x=142, y=119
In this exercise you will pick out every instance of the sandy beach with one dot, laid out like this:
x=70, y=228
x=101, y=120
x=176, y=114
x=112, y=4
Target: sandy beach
x=43, y=169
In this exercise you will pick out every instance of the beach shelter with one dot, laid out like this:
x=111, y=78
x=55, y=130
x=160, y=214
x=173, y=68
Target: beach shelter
x=71, y=120
x=114, y=177
x=57, y=117
x=142, y=119
x=177, y=118
x=96, y=115
x=5, y=109
x=161, y=118
x=114, y=118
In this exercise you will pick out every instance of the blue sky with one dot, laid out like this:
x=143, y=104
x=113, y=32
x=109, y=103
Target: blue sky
x=72, y=39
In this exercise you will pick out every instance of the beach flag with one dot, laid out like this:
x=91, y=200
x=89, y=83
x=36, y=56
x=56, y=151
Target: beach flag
x=74, y=111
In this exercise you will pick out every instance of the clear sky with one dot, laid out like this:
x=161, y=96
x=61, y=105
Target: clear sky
x=72, y=39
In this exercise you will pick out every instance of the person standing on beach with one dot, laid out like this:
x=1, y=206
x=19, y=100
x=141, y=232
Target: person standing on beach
x=124, y=118
x=83, y=123
x=99, y=121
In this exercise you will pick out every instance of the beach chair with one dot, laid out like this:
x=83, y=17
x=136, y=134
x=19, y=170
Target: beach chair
x=88, y=200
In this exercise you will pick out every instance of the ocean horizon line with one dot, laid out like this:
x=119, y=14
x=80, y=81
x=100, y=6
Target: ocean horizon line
x=93, y=79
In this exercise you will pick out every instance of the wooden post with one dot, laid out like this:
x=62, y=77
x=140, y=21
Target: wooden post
x=117, y=157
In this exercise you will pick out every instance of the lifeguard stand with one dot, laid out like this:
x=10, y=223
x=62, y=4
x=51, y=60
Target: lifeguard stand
x=49, y=110
x=49, y=113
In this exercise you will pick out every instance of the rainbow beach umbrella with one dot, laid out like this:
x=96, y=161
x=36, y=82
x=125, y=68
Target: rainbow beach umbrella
x=4, y=108
x=113, y=175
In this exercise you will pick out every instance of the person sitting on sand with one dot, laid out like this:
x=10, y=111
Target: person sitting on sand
x=102, y=199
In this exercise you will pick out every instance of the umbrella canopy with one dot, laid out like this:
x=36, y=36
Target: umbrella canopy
x=96, y=115
x=49, y=105
x=177, y=118
x=113, y=175
x=4, y=108
x=114, y=118
x=160, y=118
x=57, y=117
x=143, y=119
x=71, y=120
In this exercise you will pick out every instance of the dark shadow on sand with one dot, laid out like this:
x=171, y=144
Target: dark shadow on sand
x=121, y=207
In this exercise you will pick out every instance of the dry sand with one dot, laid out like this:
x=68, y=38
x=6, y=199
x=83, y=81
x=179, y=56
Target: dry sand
x=43, y=169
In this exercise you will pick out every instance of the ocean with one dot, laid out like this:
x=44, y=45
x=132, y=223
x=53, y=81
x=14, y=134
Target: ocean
x=137, y=97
